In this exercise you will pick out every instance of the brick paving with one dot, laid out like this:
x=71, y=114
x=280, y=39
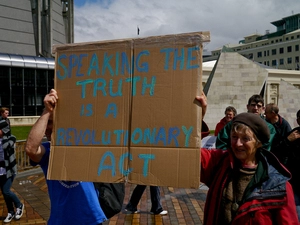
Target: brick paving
x=184, y=206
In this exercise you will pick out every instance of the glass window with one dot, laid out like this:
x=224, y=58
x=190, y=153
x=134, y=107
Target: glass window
x=274, y=62
x=289, y=60
x=29, y=92
x=273, y=51
x=23, y=89
x=259, y=54
x=41, y=89
x=281, y=50
x=45, y=82
x=17, y=92
x=281, y=61
x=296, y=47
x=50, y=80
x=4, y=87
x=289, y=48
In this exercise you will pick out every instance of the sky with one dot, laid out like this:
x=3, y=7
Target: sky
x=228, y=21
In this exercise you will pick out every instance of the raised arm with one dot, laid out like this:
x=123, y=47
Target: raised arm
x=33, y=148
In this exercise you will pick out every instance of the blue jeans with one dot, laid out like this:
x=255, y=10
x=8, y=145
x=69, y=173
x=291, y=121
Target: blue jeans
x=136, y=195
x=10, y=198
x=297, y=201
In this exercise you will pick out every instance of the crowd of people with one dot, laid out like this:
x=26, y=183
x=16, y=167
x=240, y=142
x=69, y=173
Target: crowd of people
x=250, y=168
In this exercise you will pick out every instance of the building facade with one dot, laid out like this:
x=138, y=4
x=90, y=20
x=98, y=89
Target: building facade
x=233, y=79
x=280, y=49
x=28, y=30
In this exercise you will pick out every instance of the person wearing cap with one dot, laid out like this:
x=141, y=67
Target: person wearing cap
x=256, y=106
x=8, y=170
x=247, y=184
x=72, y=202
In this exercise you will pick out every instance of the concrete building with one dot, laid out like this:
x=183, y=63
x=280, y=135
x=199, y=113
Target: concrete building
x=280, y=49
x=236, y=79
x=31, y=27
x=28, y=30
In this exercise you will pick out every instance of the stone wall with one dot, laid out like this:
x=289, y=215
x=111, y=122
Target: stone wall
x=289, y=102
x=235, y=80
x=23, y=120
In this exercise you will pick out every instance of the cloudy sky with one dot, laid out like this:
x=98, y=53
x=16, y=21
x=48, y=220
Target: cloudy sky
x=227, y=20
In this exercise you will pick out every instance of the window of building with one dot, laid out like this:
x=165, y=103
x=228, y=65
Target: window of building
x=259, y=55
x=276, y=40
x=289, y=60
x=289, y=49
x=292, y=38
x=273, y=51
x=297, y=59
x=268, y=63
x=4, y=86
x=17, y=91
x=296, y=47
x=29, y=92
x=287, y=39
x=281, y=50
x=274, y=62
x=23, y=89
x=280, y=39
x=281, y=61
x=272, y=42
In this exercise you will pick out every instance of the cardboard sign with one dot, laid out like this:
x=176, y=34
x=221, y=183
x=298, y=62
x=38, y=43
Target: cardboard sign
x=126, y=111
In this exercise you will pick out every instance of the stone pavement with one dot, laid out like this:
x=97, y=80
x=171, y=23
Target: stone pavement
x=184, y=206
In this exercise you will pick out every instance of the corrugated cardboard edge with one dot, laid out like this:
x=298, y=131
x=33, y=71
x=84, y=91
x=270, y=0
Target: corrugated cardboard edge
x=203, y=36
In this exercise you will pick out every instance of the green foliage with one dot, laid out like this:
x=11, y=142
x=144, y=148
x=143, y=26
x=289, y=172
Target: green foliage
x=21, y=132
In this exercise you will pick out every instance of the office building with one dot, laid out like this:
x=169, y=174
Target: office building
x=280, y=49
x=28, y=30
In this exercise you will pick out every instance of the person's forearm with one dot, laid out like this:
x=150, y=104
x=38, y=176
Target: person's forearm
x=35, y=137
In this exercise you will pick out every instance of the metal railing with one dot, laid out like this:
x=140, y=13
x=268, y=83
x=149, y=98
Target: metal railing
x=23, y=161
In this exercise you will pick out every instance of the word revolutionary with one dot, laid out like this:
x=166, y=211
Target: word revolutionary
x=150, y=136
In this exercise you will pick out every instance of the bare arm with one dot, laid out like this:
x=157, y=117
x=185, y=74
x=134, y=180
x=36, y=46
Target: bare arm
x=33, y=147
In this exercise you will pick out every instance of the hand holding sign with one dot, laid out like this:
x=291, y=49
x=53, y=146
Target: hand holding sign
x=50, y=100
